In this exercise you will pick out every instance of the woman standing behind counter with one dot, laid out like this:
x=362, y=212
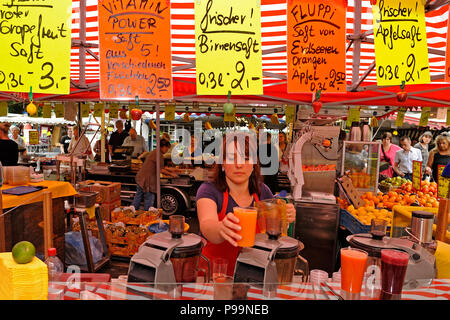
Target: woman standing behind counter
x=237, y=182
x=440, y=155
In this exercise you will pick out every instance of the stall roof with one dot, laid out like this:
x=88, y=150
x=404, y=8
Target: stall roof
x=18, y=118
x=274, y=43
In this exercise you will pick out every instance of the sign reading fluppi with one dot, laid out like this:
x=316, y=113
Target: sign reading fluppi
x=135, y=53
x=228, y=47
x=316, y=46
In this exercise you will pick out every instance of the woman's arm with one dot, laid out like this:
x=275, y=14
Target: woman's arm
x=214, y=230
x=428, y=169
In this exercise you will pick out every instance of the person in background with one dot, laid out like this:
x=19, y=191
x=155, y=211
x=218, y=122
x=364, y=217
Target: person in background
x=19, y=140
x=423, y=145
x=237, y=181
x=440, y=155
x=65, y=140
x=388, y=151
x=136, y=141
x=195, y=149
x=404, y=158
x=98, y=149
x=9, y=154
x=116, y=140
x=80, y=145
x=146, y=177
x=282, y=144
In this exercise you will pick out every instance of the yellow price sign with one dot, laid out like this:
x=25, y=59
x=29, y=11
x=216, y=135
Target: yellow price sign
x=59, y=110
x=230, y=117
x=353, y=115
x=36, y=43
x=401, y=50
x=400, y=117
x=169, y=112
x=3, y=109
x=425, y=115
x=290, y=114
x=85, y=110
x=113, y=111
x=448, y=117
x=99, y=108
x=46, y=111
x=33, y=137
x=443, y=184
x=228, y=48
x=417, y=174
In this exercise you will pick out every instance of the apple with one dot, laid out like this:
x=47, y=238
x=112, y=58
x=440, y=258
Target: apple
x=136, y=114
x=317, y=105
x=373, y=2
x=228, y=107
x=402, y=96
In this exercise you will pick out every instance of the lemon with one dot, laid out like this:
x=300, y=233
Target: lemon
x=31, y=109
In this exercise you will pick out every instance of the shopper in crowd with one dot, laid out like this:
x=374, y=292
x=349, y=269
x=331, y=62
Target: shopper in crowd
x=439, y=156
x=15, y=131
x=387, y=158
x=116, y=140
x=271, y=180
x=137, y=142
x=9, y=154
x=282, y=144
x=146, y=177
x=423, y=145
x=403, y=164
x=195, y=149
x=80, y=145
x=65, y=140
x=98, y=148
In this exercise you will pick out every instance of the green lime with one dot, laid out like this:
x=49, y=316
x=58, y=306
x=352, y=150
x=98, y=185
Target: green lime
x=23, y=252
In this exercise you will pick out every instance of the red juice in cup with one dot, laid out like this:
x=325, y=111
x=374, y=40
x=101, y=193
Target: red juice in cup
x=393, y=270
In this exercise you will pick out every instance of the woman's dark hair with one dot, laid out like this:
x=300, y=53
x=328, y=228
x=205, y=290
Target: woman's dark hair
x=219, y=178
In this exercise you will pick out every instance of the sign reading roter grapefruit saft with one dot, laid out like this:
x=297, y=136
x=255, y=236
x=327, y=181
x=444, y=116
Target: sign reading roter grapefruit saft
x=228, y=47
x=36, y=42
x=316, y=45
x=135, y=53
x=401, y=51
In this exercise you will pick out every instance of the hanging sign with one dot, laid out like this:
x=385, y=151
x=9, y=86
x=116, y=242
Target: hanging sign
x=36, y=42
x=33, y=137
x=417, y=174
x=85, y=109
x=442, y=184
x=353, y=115
x=3, y=109
x=47, y=110
x=400, y=117
x=401, y=51
x=424, y=116
x=113, y=111
x=231, y=116
x=228, y=48
x=59, y=110
x=135, y=50
x=99, y=108
x=316, y=45
x=290, y=114
x=169, y=112
x=448, y=117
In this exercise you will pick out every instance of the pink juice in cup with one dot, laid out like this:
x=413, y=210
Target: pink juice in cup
x=393, y=270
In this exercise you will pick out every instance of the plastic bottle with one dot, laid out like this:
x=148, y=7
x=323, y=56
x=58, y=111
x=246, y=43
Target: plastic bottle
x=55, y=268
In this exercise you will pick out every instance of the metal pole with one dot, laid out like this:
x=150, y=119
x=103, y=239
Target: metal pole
x=356, y=42
x=82, y=51
x=102, y=137
x=158, y=160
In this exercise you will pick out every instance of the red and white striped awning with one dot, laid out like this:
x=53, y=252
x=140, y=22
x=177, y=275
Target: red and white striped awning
x=414, y=119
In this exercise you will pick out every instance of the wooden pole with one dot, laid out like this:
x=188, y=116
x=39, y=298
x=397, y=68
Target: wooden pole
x=442, y=218
x=48, y=221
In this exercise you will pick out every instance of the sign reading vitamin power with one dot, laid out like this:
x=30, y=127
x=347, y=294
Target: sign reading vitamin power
x=135, y=53
x=36, y=42
x=316, y=46
x=401, y=51
x=228, y=47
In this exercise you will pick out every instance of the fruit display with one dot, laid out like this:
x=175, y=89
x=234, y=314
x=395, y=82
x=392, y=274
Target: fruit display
x=128, y=215
x=360, y=179
x=393, y=182
x=124, y=241
x=320, y=167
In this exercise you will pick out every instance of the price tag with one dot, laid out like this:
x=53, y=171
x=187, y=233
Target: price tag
x=3, y=108
x=400, y=36
x=230, y=117
x=417, y=174
x=290, y=113
x=425, y=115
x=228, y=48
x=400, y=117
x=135, y=50
x=33, y=137
x=169, y=112
x=85, y=110
x=316, y=45
x=59, y=110
x=353, y=115
x=113, y=111
x=99, y=109
x=36, y=43
x=47, y=110
x=443, y=184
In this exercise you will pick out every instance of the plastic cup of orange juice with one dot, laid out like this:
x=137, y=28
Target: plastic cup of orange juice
x=247, y=220
x=353, y=267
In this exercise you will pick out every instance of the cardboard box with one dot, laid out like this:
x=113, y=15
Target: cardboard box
x=108, y=192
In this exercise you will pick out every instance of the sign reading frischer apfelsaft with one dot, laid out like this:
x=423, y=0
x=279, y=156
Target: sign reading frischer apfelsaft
x=35, y=38
x=135, y=52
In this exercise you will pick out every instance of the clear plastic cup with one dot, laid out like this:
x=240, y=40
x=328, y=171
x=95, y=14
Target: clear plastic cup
x=318, y=276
